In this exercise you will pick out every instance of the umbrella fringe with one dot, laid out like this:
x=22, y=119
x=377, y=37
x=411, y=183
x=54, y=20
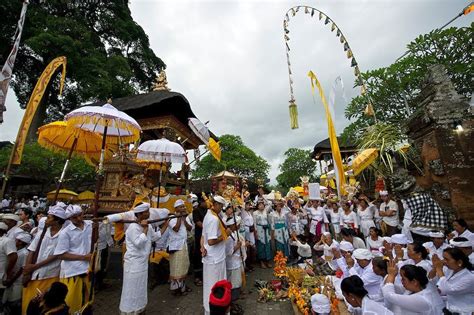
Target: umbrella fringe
x=133, y=132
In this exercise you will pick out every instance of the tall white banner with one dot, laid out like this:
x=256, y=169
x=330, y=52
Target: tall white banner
x=6, y=74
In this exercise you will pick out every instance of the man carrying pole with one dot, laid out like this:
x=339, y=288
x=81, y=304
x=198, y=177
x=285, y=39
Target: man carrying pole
x=42, y=266
x=73, y=248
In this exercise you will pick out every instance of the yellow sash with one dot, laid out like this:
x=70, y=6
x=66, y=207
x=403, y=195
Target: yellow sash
x=221, y=226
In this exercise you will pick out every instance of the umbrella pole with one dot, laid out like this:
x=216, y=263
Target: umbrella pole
x=95, y=209
x=63, y=174
x=159, y=183
x=98, y=182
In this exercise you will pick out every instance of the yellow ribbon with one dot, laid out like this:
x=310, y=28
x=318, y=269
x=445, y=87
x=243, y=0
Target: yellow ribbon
x=221, y=226
x=336, y=153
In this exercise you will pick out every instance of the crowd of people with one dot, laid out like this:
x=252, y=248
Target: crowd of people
x=47, y=258
x=385, y=267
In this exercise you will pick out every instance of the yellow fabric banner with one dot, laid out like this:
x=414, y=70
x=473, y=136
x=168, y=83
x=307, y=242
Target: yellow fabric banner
x=336, y=153
x=33, y=103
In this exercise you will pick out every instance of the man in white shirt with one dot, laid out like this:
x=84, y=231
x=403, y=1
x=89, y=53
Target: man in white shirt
x=389, y=213
x=12, y=296
x=213, y=252
x=437, y=245
x=138, y=239
x=34, y=204
x=8, y=258
x=74, y=250
x=363, y=269
x=5, y=203
x=178, y=248
x=11, y=220
x=42, y=266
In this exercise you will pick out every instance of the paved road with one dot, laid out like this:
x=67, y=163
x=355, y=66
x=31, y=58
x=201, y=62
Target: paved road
x=160, y=300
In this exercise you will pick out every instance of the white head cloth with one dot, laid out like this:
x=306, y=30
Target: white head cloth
x=346, y=246
x=73, y=210
x=320, y=304
x=11, y=216
x=399, y=239
x=220, y=200
x=178, y=203
x=141, y=208
x=437, y=234
x=362, y=253
x=3, y=226
x=58, y=211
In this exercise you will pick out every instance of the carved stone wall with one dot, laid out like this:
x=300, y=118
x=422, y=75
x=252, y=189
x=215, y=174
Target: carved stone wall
x=447, y=154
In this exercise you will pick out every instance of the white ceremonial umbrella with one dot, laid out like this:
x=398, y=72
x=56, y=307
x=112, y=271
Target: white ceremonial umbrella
x=113, y=125
x=199, y=129
x=158, y=152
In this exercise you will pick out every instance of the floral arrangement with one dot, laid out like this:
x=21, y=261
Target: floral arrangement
x=280, y=270
x=301, y=298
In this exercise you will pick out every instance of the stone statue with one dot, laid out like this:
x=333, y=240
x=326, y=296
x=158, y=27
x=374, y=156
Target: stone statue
x=161, y=82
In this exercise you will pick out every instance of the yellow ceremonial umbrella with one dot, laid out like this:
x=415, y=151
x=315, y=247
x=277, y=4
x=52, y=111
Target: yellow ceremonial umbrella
x=85, y=197
x=113, y=126
x=56, y=137
x=64, y=194
x=364, y=159
x=214, y=149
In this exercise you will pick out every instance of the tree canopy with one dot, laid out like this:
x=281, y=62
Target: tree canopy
x=45, y=167
x=236, y=158
x=386, y=86
x=108, y=53
x=297, y=163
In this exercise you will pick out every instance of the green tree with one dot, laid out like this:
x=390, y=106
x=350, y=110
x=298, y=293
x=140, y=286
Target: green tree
x=108, y=53
x=451, y=47
x=236, y=158
x=297, y=163
x=46, y=166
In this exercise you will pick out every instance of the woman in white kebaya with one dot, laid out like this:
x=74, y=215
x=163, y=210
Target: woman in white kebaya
x=420, y=300
x=457, y=283
x=357, y=296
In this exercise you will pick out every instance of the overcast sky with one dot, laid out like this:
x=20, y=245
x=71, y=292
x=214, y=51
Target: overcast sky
x=228, y=59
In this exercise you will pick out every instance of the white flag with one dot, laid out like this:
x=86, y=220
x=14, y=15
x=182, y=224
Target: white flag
x=6, y=74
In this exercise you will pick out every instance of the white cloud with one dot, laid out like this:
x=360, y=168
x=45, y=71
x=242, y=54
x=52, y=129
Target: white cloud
x=228, y=59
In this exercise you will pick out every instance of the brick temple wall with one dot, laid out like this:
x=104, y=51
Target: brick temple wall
x=447, y=155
